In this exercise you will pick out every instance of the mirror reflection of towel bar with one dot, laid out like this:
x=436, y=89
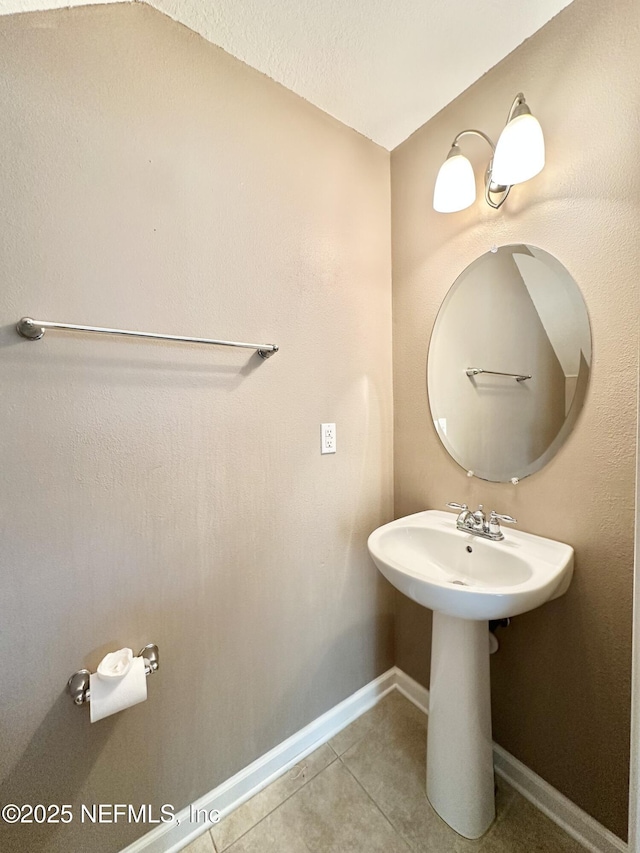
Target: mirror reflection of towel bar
x=519, y=377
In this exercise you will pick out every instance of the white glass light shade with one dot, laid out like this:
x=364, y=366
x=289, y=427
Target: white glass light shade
x=520, y=151
x=455, y=186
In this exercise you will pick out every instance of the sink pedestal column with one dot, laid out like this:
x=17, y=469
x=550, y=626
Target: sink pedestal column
x=460, y=782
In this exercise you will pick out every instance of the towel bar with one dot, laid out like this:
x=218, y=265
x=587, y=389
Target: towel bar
x=33, y=330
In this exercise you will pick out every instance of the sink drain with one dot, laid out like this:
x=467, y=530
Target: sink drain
x=459, y=583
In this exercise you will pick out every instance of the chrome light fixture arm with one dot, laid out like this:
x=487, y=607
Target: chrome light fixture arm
x=473, y=132
x=489, y=187
x=518, y=101
x=517, y=157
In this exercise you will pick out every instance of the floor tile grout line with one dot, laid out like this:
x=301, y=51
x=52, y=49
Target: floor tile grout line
x=275, y=808
x=388, y=819
x=485, y=843
x=484, y=840
x=349, y=748
x=334, y=751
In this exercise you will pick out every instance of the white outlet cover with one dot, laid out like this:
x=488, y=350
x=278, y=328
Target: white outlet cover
x=327, y=438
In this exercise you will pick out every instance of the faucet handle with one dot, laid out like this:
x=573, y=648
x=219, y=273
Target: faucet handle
x=494, y=523
x=463, y=513
x=508, y=519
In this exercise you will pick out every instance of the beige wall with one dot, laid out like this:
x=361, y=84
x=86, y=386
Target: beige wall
x=167, y=493
x=561, y=679
x=176, y=494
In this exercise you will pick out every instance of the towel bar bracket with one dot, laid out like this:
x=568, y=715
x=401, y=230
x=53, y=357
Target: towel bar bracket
x=28, y=329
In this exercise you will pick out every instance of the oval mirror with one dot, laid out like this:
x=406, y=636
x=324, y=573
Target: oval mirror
x=509, y=363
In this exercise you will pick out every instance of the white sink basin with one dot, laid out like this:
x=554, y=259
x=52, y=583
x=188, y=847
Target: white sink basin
x=428, y=559
x=465, y=580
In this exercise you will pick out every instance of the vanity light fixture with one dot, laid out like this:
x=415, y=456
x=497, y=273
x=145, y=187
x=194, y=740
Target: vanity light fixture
x=518, y=156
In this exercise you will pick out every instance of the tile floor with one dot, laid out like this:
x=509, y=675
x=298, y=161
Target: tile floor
x=364, y=792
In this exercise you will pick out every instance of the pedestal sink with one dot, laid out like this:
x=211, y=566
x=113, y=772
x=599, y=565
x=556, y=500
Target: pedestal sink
x=465, y=580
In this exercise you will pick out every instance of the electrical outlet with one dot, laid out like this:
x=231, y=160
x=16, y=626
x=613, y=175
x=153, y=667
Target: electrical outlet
x=327, y=438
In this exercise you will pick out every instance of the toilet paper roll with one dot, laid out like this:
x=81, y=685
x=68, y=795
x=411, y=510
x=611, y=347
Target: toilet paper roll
x=115, y=664
x=113, y=695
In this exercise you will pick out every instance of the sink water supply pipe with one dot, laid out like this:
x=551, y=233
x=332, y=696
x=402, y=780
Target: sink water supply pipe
x=494, y=624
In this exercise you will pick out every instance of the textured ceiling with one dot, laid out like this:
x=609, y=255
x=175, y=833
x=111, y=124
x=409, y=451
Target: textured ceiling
x=383, y=67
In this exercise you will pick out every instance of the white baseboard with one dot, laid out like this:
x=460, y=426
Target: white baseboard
x=413, y=691
x=575, y=822
x=173, y=837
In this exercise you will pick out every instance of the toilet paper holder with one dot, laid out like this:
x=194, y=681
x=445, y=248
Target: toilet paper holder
x=78, y=684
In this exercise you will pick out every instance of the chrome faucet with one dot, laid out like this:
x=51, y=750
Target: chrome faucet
x=478, y=523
